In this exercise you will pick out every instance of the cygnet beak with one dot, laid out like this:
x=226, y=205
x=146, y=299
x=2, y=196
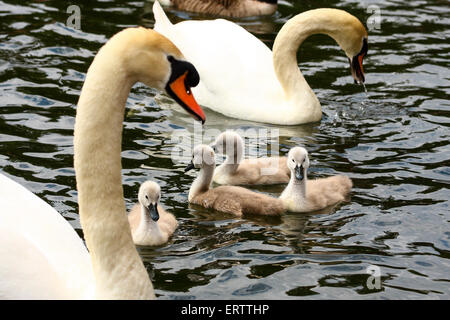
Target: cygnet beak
x=153, y=211
x=189, y=167
x=299, y=173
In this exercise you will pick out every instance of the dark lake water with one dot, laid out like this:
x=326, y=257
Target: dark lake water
x=393, y=142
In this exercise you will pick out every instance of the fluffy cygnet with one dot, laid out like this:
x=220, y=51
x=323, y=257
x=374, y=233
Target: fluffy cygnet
x=303, y=195
x=150, y=224
x=229, y=199
x=238, y=171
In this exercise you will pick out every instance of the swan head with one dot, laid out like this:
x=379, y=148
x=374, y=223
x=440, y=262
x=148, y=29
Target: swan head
x=353, y=39
x=298, y=162
x=351, y=36
x=152, y=59
x=149, y=194
x=203, y=155
x=229, y=143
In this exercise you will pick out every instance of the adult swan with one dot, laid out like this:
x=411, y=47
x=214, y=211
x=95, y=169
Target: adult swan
x=41, y=256
x=241, y=78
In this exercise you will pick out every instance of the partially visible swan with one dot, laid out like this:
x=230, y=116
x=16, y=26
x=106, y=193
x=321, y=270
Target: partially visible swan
x=238, y=171
x=150, y=224
x=303, y=195
x=242, y=78
x=41, y=255
x=228, y=8
x=229, y=199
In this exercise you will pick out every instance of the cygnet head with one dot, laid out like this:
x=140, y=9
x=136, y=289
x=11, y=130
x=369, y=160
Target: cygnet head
x=229, y=143
x=149, y=194
x=202, y=156
x=298, y=162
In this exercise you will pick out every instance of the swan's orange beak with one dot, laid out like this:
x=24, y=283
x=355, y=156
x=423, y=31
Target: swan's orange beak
x=356, y=64
x=183, y=95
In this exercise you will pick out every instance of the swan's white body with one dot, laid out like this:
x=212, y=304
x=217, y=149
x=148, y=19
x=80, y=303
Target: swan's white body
x=42, y=257
x=239, y=75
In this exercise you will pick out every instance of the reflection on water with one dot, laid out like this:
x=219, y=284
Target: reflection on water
x=393, y=141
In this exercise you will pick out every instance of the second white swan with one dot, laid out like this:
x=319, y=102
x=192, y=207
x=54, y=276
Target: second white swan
x=243, y=79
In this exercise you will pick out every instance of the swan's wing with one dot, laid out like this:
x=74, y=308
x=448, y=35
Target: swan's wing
x=36, y=240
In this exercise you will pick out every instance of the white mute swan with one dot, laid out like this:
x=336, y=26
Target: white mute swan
x=303, y=195
x=41, y=256
x=150, y=224
x=241, y=78
x=253, y=171
x=228, y=8
x=229, y=199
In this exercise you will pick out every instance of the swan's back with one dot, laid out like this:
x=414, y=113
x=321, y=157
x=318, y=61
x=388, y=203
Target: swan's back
x=39, y=248
x=239, y=201
x=223, y=50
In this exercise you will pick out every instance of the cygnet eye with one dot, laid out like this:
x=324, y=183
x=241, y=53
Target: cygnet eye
x=293, y=160
x=146, y=197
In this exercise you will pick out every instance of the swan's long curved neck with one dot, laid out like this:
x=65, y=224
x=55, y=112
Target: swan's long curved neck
x=285, y=48
x=97, y=162
x=203, y=181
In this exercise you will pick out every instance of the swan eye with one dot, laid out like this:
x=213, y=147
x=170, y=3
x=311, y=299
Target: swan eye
x=146, y=197
x=293, y=160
